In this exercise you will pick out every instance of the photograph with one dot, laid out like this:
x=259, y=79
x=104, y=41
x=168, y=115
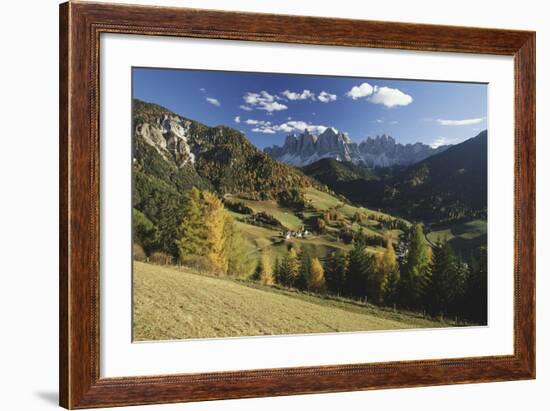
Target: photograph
x=284, y=204
x=275, y=205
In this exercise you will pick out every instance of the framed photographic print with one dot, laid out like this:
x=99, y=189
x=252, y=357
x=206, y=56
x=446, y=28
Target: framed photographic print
x=257, y=205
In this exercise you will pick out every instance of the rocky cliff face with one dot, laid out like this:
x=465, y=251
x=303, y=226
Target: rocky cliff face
x=169, y=135
x=380, y=151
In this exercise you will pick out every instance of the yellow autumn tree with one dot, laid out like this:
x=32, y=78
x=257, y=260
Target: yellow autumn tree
x=238, y=265
x=390, y=267
x=215, y=222
x=316, y=281
x=264, y=271
x=385, y=268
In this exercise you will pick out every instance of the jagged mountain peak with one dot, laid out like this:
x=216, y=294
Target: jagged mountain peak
x=329, y=132
x=379, y=151
x=381, y=138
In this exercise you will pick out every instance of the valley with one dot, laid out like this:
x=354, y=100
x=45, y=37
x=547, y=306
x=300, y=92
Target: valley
x=300, y=230
x=211, y=210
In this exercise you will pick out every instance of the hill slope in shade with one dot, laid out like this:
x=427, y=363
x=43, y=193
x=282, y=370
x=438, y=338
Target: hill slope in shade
x=170, y=303
x=448, y=186
x=331, y=172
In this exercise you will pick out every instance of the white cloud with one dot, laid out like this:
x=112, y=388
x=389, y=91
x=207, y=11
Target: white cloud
x=287, y=127
x=257, y=98
x=303, y=126
x=363, y=90
x=269, y=107
x=202, y=89
x=253, y=122
x=262, y=101
x=296, y=95
x=464, y=122
x=237, y=119
x=213, y=101
x=326, y=97
x=245, y=108
x=394, y=122
x=265, y=130
x=379, y=121
x=390, y=97
x=442, y=141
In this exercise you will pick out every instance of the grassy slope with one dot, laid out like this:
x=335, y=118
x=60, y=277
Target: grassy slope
x=285, y=216
x=172, y=303
x=262, y=239
x=462, y=236
x=324, y=201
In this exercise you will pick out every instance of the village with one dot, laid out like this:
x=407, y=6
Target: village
x=300, y=233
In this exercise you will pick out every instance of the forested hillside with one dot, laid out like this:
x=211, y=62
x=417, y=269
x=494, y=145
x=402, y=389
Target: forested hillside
x=447, y=186
x=186, y=153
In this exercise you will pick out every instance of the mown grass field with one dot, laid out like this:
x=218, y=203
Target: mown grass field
x=175, y=303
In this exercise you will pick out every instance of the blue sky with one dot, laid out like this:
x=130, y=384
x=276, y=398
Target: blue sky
x=267, y=107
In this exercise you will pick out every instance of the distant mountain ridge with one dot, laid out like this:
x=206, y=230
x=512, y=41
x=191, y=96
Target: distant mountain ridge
x=381, y=151
x=451, y=185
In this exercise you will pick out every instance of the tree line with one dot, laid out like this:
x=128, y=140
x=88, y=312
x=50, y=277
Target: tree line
x=197, y=230
x=422, y=278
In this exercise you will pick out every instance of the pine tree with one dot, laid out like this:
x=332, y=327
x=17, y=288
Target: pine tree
x=358, y=271
x=335, y=272
x=277, y=271
x=316, y=280
x=304, y=273
x=192, y=241
x=415, y=276
x=145, y=232
x=290, y=267
x=474, y=304
x=440, y=294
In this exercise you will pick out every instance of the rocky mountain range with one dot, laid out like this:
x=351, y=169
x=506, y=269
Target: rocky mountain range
x=380, y=151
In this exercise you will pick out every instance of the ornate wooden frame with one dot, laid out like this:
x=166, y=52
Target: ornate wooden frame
x=80, y=27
